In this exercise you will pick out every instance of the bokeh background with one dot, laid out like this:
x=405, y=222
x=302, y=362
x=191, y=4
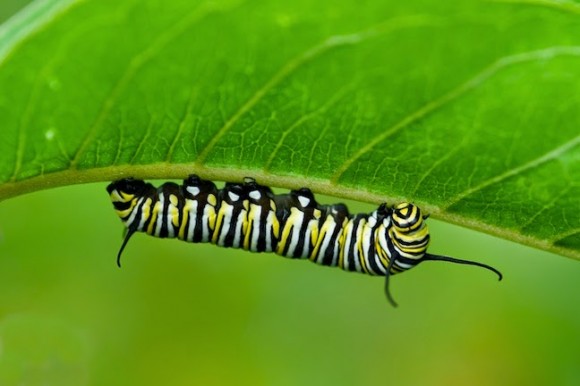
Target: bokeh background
x=184, y=314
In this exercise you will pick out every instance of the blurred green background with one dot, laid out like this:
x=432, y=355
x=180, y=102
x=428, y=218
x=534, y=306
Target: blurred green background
x=184, y=314
x=179, y=313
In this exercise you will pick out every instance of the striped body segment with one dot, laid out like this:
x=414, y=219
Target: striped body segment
x=250, y=216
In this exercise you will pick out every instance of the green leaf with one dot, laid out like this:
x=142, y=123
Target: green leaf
x=467, y=108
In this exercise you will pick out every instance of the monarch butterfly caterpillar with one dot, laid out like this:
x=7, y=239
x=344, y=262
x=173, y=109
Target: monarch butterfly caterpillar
x=250, y=216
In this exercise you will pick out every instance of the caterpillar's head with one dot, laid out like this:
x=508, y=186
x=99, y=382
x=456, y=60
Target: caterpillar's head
x=410, y=237
x=409, y=234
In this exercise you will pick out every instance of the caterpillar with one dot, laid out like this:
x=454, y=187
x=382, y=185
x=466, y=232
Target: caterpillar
x=387, y=241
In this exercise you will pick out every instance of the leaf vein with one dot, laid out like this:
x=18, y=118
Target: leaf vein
x=183, y=123
x=134, y=65
x=31, y=103
x=448, y=155
x=303, y=119
x=545, y=208
x=144, y=140
x=296, y=62
x=549, y=156
x=470, y=84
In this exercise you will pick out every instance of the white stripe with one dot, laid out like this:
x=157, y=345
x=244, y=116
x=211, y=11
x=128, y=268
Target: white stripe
x=381, y=235
x=227, y=219
x=372, y=220
x=145, y=207
x=134, y=212
x=192, y=217
x=307, y=238
x=269, y=231
x=336, y=251
x=304, y=201
x=382, y=268
x=403, y=265
x=159, y=215
x=346, y=246
x=327, y=238
x=256, y=227
x=170, y=228
x=116, y=196
x=405, y=254
x=337, y=245
x=387, y=222
x=366, y=243
x=295, y=236
x=238, y=233
x=194, y=190
x=357, y=236
x=205, y=234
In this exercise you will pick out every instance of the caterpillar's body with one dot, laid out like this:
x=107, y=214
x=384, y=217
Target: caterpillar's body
x=249, y=216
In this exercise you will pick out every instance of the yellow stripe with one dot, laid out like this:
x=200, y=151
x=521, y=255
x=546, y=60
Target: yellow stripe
x=314, y=232
x=321, y=237
x=275, y=222
x=360, y=246
x=211, y=219
x=244, y=218
x=184, y=218
x=313, y=225
x=173, y=210
x=125, y=212
x=410, y=237
x=211, y=199
x=382, y=255
x=290, y=222
x=250, y=225
x=146, y=210
x=211, y=212
x=126, y=196
x=413, y=216
x=345, y=232
x=117, y=196
x=220, y=218
x=155, y=212
x=414, y=212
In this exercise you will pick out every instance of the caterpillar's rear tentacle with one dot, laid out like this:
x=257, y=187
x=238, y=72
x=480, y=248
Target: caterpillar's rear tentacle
x=387, y=276
x=130, y=232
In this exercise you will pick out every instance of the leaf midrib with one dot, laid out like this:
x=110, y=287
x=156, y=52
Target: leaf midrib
x=320, y=186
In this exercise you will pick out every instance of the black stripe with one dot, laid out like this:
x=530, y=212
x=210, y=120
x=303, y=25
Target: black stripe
x=206, y=188
x=372, y=264
x=351, y=249
x=168, y=189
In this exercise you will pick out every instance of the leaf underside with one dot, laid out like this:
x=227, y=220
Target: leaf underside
x=467, y=108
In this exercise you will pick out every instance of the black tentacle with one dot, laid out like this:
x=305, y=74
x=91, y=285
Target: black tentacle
x=130, y=232
x=429, y=256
